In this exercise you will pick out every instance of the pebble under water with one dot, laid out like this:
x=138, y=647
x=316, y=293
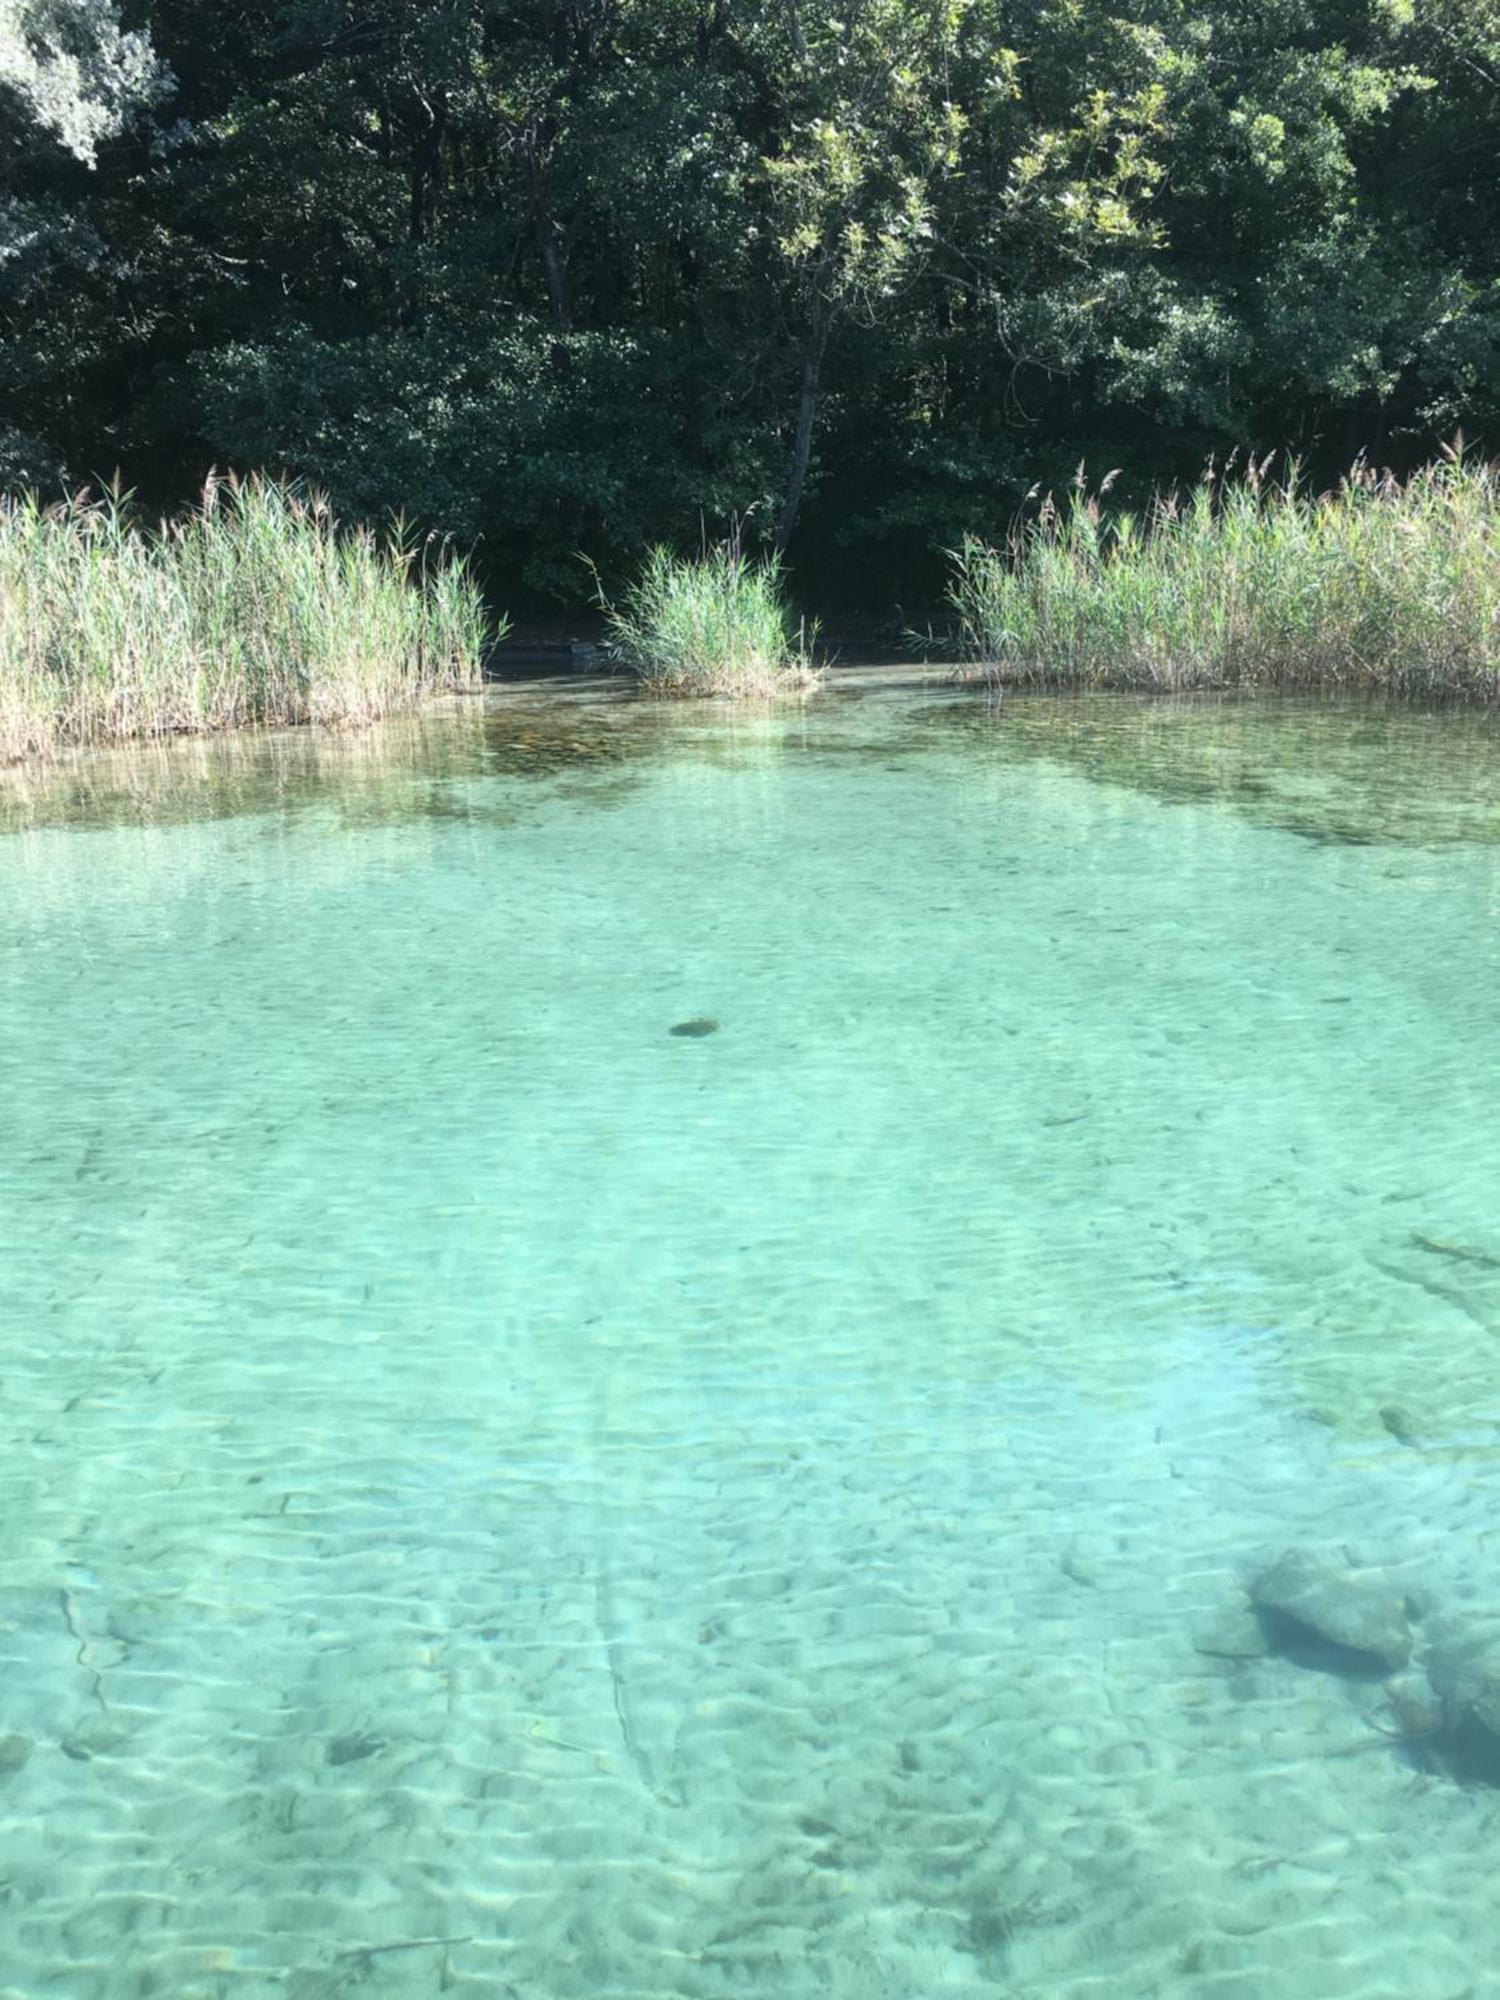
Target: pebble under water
x=847, y=1352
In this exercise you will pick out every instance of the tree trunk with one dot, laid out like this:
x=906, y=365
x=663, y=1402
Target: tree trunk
x=807, y=412
x=425, y=166
x=549, y=237
x=425, y=163
x=555, y=266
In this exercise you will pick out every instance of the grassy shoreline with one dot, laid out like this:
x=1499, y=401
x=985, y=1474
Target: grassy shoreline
x=256, y=608
x=1379, y=585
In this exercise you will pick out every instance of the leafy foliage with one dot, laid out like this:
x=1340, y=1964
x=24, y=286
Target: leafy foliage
x=73, y=73
x=563, y=275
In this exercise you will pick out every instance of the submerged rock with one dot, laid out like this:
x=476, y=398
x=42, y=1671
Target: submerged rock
x=1485, y=1704
x=1399, y=1421
x=1418, y=1710
x=1323, y=1598
x=1082, y=1560
x=14, y=1752
x=1465, y=1673
x=1467, y=1676
x=99, y=1735
x=1235, y=1634
x=353, y=1749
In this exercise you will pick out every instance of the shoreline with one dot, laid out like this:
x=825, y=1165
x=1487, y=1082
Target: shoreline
x=541, y=676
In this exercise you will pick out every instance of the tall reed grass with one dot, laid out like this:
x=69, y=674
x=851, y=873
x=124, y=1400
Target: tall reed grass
x=1378, y=584
x=715, y=624
x=254, y=608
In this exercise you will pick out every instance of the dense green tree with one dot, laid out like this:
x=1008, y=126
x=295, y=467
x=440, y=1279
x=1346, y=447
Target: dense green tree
x=567, y=276
x=72, y=80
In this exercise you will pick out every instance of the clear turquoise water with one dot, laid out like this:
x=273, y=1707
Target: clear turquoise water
x=497, y=1498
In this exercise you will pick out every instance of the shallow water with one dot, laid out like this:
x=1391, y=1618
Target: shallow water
x=500, y=1498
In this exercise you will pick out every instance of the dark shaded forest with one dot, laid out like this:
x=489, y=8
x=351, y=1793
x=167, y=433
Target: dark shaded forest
x=563, y=277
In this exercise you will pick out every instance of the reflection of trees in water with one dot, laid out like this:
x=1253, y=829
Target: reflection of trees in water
x=406, y=767
x=1328, y=770
x=1336, y=771
x=197, y=777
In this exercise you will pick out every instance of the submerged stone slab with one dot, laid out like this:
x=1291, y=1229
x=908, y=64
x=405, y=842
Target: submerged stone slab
x=1344, y=1607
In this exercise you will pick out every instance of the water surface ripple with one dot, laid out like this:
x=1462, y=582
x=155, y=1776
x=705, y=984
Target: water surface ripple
x=499, y=1498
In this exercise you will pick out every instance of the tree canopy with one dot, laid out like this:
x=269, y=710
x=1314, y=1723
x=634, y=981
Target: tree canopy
x=563, y=276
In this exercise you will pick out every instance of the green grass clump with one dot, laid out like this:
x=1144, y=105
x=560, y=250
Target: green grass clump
x=716, y=624
x=255, y=608
x=1380, y=584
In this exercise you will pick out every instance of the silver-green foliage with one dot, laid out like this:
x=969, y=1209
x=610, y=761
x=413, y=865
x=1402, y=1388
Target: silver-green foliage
x=71, y=77
x=712, y=624
x=1376, y=584
x=255, y=608
x=75, y=72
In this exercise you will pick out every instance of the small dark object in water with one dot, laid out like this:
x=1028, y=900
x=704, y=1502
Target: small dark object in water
x=1399, y=1423
x=699, y=1025
x=350, y=1749
x=14, y=1752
